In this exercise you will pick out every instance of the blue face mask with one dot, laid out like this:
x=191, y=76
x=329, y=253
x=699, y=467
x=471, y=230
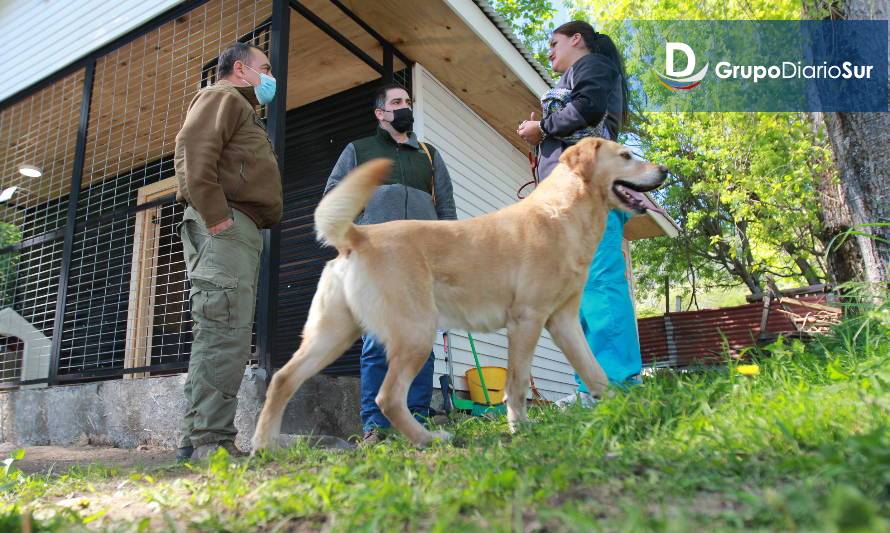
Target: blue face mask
x=265, y=91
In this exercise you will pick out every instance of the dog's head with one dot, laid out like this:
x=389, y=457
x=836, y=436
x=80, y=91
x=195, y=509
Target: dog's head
x=610, y=169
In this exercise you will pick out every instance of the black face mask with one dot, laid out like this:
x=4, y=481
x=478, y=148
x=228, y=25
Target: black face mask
x=402, y=119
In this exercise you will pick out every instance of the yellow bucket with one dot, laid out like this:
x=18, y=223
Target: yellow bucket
x=495, y=381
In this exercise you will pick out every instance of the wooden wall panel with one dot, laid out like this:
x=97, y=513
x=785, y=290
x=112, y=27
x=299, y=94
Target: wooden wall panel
x=40, y=130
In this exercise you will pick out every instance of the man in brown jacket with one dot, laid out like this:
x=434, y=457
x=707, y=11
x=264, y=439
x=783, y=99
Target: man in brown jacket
x=229, y=180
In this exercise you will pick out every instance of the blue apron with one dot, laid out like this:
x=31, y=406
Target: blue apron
x=607, y=312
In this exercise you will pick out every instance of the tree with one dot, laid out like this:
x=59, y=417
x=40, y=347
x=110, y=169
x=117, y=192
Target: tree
x=843, y=257
x=756, y=194
x=745, y=191
x=861, y=145
x=532, y=21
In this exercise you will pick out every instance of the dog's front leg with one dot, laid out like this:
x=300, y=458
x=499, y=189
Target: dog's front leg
x=522, y=338
x=565, y=328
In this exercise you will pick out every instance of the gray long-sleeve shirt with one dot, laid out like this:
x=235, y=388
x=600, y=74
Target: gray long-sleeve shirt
x=396, y=201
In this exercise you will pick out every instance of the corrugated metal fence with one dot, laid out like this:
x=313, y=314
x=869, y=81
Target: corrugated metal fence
x=701, y=337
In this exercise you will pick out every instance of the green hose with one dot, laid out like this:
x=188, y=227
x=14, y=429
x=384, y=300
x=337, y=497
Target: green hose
x=479, y=369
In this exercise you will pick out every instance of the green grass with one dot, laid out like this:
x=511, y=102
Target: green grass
x=804, y=446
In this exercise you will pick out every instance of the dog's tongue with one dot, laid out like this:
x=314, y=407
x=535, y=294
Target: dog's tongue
x=634, y=199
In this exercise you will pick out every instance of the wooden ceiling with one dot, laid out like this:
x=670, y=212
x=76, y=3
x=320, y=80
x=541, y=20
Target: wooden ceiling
x=40, y=130
x=431, y=34
x=142, y=90
x=646, y=226
x=318, y=66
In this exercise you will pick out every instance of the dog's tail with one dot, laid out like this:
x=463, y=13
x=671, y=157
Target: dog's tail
x=337, y=210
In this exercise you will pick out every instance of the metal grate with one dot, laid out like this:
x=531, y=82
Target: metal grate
x=126, y=298
x=127, y=302
x=39, y=131
x=12, y=351
x=403, y=78
x=170, y=341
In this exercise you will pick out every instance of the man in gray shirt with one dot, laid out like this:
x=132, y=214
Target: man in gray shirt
x=419, y=188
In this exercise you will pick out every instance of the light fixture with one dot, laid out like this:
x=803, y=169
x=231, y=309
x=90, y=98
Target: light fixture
x=7, y=193
x=30, y=171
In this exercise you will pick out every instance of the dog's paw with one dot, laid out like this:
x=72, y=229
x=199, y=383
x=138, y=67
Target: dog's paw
x=517, y=425
x=260, y=442
x=440, y=437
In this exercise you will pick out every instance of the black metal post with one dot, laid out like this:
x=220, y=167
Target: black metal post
x=387, y=63
x=276, y=115
x=73, y=198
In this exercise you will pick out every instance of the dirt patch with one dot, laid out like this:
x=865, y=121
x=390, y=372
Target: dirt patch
x=44, y=459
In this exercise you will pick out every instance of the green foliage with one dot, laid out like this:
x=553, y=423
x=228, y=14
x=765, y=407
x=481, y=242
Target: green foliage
x=9, y=234
x=17, y=517
x=532, y=22
x=745, y=192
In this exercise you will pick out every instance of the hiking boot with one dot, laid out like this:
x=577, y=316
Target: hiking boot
x=205, y=450
x=184, y=454
x=372, y=437
x=579, y=398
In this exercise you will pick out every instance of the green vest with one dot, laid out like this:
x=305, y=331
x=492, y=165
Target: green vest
x=411, y=166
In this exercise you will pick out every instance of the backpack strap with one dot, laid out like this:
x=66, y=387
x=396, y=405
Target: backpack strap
x=433, y=180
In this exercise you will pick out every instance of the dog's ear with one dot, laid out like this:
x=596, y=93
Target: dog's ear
x=581, y=158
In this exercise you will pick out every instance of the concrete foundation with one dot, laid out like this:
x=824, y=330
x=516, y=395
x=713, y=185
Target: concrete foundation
x=133, y=412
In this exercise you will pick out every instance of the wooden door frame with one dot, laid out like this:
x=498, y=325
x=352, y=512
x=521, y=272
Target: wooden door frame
x=143, y=277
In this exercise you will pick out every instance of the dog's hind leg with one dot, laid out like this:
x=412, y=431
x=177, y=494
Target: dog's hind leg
x=522, y=337
x=565, y=328
x=406, y=358
x=330, y=329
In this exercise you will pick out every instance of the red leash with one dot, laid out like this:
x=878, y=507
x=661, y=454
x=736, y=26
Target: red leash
x=533, y=166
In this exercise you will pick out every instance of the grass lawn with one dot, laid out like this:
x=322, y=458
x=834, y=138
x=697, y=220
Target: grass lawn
x=804, y=445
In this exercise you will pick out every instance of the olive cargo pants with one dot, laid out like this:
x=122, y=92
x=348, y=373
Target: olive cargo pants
x=223, y=270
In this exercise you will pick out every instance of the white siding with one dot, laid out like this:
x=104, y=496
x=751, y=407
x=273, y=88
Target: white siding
x=48, y=35
x=486, y=171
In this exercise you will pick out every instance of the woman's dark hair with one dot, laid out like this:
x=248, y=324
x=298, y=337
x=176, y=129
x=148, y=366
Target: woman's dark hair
x=599, y=43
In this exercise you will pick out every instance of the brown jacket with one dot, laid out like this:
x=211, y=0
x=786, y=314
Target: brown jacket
x=224, y=159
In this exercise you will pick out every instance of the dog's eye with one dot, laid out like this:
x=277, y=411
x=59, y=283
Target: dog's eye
x=626, y=155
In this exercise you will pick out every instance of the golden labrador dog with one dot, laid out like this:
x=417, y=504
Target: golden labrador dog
x=522, y=268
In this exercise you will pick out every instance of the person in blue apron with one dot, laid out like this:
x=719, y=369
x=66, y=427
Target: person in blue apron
x=590, y=100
